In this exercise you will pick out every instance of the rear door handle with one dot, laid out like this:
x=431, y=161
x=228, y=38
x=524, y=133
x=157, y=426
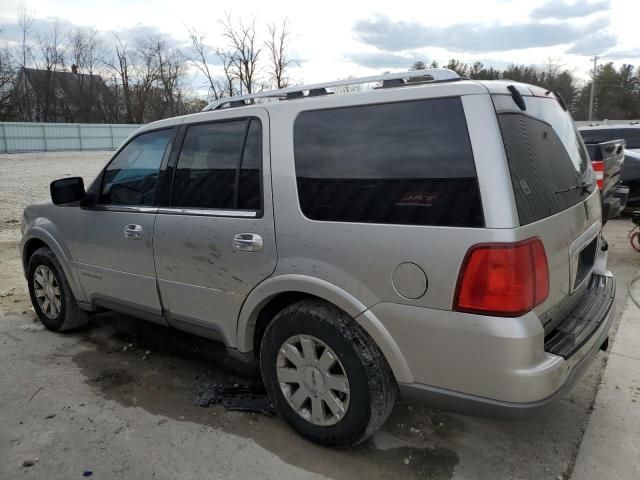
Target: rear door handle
x=133, y=232
x=247, y=242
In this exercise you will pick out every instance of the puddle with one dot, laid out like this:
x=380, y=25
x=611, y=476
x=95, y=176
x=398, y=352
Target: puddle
x=140, y=364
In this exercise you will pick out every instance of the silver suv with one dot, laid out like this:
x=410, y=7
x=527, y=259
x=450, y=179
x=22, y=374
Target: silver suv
x=432, y=235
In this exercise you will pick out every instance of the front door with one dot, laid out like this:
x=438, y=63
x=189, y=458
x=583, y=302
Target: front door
x=112, y=240
x=214, y=240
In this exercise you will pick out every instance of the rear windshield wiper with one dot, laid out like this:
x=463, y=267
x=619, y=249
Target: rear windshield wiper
x=583, y=187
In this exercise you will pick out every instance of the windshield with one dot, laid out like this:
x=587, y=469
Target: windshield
x=548, y=162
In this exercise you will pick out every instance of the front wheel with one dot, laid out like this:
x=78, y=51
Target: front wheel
x=51, y=294
x=326, y=376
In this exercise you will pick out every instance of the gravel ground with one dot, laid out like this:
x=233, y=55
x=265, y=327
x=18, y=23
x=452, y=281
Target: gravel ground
x=117, y=398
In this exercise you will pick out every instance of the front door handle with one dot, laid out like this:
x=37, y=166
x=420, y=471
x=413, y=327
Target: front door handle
x=247, y=242
x=133, y=232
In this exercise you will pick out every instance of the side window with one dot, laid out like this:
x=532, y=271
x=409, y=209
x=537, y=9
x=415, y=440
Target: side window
x=217, y=169
x=249, y=193
x=402, y=163
x=132, y=176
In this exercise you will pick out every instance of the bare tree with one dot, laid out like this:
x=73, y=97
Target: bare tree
x=25, y=22
x=243, y=51
x=51, y=54
x=277, y=46
x=87, y=53
x=122, y=67
x=201, y=57
x=8, y=78
x=50, y=58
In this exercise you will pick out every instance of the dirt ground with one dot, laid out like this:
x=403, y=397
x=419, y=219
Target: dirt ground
x=117, y=398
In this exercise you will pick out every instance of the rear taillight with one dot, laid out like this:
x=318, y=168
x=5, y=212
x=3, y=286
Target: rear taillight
x=503, y=279
x=598, y=170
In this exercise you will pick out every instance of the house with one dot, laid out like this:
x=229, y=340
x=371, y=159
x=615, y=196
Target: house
x=61, y=96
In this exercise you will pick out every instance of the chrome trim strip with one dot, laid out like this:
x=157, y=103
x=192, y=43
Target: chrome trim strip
x=205, y=212
x=125, y=208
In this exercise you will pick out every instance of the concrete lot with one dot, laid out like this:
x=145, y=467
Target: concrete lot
x=117, y=398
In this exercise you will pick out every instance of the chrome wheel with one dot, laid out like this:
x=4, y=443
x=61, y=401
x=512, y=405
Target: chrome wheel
x=313, y=380
x=47, y=291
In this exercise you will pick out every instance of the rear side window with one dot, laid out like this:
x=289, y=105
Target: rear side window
x=219, y=166
x=548, y=162
x=400, y=163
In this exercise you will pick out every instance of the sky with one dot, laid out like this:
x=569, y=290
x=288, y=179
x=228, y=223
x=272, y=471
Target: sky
x=336, y=39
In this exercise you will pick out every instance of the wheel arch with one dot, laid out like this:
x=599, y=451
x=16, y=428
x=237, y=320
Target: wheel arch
x=37, y=238
x=276, y=293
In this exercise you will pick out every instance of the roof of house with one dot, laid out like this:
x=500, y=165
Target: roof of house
x=72, y=84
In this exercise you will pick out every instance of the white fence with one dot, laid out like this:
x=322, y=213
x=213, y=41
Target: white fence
x=52, y=137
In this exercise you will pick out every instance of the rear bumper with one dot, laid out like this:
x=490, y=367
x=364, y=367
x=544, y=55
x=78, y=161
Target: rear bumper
x=615, y=202
x=516, y=390
x=622, y=193
x=611, y=207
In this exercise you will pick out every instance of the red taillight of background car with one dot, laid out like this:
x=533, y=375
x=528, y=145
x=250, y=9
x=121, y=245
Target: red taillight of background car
x=598, y=170
x=503, y=279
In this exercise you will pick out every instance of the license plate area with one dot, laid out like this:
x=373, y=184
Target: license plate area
x=583, y=255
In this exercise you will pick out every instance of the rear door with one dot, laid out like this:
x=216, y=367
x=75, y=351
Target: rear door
x=214, y=237
x=555, y=193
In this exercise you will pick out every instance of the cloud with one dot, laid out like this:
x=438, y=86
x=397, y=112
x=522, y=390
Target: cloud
x=395, y=36
x=561, y=10
x=42, y=28
x=382, y=59
x=593, y=44
x=633, y=54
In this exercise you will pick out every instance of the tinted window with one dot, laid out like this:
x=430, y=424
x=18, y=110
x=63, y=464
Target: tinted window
x=249, y=195
x=547, y=159
x=630, y=135
x=207, y=166
x=131, y=178
x=598, y=136
x=403, y=163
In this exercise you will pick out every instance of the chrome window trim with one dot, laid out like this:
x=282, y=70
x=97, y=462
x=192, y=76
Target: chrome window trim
x=208, y=212
x=124, y=208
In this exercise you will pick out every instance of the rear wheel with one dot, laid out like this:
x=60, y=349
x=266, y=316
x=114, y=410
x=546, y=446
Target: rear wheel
x=51, y=294
x=326, y=376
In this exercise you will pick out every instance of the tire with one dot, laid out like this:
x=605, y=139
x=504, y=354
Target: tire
x=367, y=398
x=63, y=314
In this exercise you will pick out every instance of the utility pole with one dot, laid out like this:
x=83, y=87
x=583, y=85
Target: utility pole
x=593, y=86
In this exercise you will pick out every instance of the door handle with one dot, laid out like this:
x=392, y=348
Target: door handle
x=247, y=242
x=133, y=232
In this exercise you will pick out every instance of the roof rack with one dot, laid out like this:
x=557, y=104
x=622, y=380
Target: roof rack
x=389, y=80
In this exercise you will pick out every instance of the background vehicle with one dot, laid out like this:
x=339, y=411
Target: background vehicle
x=630, y=175
x=439, y=237
x=607, y=162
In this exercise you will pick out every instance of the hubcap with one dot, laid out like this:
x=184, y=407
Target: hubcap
x=313, y=380
x=47, y=290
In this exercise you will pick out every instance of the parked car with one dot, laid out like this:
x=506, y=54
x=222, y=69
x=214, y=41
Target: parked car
x=436, y=237
x=607, y=162
x=630, y=133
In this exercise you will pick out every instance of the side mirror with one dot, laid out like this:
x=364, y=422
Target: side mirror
x=67, y=190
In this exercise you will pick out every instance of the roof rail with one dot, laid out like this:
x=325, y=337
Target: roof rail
x=298, y=91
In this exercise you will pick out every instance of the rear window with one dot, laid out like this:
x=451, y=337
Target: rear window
x=400, y=163
x=548, y=162
x=598, y=135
